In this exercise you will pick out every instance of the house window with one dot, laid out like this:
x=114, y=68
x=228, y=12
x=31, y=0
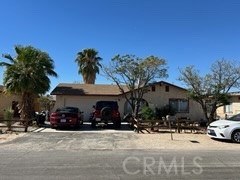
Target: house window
x=166, y=88
x=179, y=105
x=153, y=88
x=228, y=108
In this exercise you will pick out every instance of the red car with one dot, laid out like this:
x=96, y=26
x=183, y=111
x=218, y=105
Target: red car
x=105, y=112
x=66, y=117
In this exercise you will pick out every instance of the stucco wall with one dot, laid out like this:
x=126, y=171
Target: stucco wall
x=235, y=108
x=85, y=103
x=158, y=98
x=6, y=101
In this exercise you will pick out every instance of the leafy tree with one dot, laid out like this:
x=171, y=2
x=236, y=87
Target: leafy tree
x=46, y=102
x=212, y=90
x=132, y=75
x=27, y=74
x=89, y=65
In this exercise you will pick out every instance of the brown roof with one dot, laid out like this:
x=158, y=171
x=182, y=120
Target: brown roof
x=94, y=89
x=169, y=84
x=86, y=89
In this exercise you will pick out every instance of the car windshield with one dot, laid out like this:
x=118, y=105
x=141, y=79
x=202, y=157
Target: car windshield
x=234, y=118
x=68, y=109
x=102, y=104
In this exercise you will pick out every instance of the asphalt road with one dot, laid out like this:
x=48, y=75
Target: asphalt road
x=95, y=156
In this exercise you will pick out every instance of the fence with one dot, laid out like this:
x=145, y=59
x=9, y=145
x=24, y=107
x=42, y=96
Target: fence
x=14, y=123
x=178, y=124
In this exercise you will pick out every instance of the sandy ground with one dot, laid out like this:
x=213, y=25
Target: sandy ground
x=183, y=141
x=189, y=141
x=10, y=136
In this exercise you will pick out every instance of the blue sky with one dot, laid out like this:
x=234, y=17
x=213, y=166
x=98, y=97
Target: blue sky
x=184, y=32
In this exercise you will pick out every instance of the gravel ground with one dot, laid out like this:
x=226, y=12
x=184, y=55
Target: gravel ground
x=6, y=136
x=10, y=136
x=188, y=141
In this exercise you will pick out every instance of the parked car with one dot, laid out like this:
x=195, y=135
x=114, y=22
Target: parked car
x=40, y=117
x=225, y=129
x=105, y=112
x=66, y=117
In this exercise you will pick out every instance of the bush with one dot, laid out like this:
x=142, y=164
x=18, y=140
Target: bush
x=8, y=115
x=147, y=113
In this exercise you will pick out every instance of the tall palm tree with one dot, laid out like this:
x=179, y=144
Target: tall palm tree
x=89, y=65
x=27, y=74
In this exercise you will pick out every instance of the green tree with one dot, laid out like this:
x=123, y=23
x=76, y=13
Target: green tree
x=211, y=91
x=89, y=65
x=46, y=102
x=27, y=74
x=132, y=75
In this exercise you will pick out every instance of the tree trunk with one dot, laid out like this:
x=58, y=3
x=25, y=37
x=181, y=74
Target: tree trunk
x=27, y=108
x=212, y=114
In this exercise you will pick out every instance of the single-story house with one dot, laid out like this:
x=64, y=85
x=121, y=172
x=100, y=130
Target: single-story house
x=12, y=101
x=8, y=101
x=231, y=109
x=157, y=95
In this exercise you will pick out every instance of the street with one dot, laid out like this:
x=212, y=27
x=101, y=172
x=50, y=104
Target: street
x=74, y=155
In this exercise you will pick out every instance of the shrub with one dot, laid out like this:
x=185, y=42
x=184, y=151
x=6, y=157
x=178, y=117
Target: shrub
x=147, y=113
x=8, y=115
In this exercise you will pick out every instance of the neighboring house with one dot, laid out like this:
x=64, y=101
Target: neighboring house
x=231, y=109
x=8, y=101
x=157, y=95
x=12, y=101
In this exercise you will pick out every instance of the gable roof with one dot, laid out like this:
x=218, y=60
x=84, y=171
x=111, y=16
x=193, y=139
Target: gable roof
x=86, y=89
x=168, y=84
x=95, y=89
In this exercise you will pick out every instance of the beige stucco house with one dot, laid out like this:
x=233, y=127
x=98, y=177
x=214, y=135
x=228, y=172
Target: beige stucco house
x=157, y=95
x=231, y=109
x=12, y=101
x=7, y=101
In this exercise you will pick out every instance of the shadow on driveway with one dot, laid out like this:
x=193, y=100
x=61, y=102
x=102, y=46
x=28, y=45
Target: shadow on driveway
x=86, y=127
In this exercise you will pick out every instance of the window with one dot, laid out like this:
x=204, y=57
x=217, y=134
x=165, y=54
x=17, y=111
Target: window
x=179, y=105
x=128, y=108
x=153, y=88
x=166, y=88
x=228, y=108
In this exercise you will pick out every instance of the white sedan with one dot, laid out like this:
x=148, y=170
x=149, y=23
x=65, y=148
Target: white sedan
x=225, y=129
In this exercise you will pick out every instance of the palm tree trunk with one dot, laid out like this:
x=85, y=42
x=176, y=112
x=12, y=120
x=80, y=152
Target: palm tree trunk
x=27, y=108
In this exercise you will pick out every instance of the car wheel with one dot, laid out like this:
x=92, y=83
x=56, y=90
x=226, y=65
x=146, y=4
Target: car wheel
x=53, y=127
x=236, y=136
x=117, y=124
x=131, y=125
x=77, y=125
x=106, y=113
x=93, y=124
